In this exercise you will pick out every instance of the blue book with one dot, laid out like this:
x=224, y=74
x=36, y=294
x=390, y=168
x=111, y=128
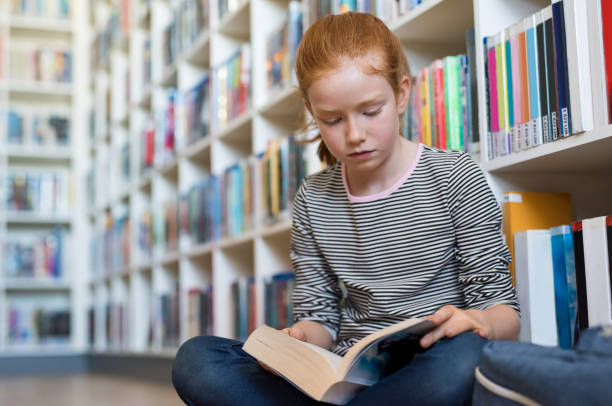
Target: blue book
x=564, y=272
x=534, y=89
x=563, y=96
x=509, y=86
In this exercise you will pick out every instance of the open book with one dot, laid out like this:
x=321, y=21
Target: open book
x=326, y=376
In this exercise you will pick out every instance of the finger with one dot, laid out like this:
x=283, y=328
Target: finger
x=297, y=333
x=433, y=336
x=442, y=315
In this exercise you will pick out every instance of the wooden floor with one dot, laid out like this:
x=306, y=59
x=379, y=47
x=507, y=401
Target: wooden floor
x=89, y=390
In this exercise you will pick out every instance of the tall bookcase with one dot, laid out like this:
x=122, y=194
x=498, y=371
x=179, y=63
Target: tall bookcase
x=124, y=297
x=43, y=93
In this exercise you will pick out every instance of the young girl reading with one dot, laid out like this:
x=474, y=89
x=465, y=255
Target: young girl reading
x=408, y=230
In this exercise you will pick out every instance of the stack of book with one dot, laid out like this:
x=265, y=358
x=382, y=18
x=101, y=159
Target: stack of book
x=232, y=87
x=281, y=48
x=35, y=256
x=546, y=76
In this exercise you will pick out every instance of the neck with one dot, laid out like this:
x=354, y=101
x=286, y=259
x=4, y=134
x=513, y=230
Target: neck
x=386, y=174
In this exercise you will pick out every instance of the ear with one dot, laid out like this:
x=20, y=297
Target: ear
x=404, y=94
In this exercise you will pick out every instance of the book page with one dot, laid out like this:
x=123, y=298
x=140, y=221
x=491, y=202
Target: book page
x=365, y=362
x=334, y=359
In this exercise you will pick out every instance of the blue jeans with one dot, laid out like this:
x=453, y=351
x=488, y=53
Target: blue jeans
x=216, y=371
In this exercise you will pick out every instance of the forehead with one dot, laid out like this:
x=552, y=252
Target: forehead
x=351, y=82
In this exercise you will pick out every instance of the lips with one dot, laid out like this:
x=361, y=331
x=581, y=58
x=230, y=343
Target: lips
x=361, y=154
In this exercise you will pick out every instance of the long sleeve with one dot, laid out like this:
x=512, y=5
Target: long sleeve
x=481, y=252
x=317, y=294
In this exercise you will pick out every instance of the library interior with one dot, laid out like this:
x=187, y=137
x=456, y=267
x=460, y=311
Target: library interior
x=151, y=150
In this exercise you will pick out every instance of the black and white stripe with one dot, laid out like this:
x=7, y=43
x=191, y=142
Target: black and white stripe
x=434, y=241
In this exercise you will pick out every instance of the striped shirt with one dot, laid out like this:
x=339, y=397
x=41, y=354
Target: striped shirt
x=432, y=239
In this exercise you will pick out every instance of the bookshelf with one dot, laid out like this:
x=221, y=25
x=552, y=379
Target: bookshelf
x=129, y=91
x=40, y=226
x=578, y=164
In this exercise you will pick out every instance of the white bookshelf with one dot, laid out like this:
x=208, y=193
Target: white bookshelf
x=42, y=97
x=579, y=164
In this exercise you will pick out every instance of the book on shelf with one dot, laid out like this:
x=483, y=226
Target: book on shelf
x=243, y=293
x=35, y=319
x=564, y=272
x=597, y=251
x=281, y=48
x=278, y=304
x=386, y=10
x=59, y=9
x=563, y=280
x=546, y=77
x=535, y=287
x=200, y=311
x=439, y=113
x=40, y=63
x=168, y=317
x=193, y=123
x=328, y=377
x=231, y=81
x=45, y=193
x=533, y=210
x=35, y=256
x=33, y=127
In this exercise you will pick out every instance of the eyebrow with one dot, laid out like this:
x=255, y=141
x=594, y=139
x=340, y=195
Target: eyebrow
x=375, y=100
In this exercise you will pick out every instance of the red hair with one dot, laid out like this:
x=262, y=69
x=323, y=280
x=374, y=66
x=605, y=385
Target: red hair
x=331, y=39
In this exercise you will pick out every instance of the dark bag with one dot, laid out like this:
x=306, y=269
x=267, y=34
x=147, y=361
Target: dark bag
x=513, y=373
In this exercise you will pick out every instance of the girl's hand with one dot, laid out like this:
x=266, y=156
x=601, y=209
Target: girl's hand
x=294, y=332
x=451, y=322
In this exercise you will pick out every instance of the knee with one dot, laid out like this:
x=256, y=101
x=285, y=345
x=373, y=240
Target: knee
x=190, y=358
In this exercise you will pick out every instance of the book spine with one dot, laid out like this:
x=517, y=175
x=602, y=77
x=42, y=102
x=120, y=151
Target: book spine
x=543, y=80
x=561, y=69
x=582, y=318
x=493, y=98
x=516, y=90
x=551, y=74
x=526, y=111
x=534, y=90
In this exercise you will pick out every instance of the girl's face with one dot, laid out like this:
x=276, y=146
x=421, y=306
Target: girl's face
x=357, y=113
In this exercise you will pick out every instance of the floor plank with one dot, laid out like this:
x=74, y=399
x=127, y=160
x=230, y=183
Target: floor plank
x=90, y=390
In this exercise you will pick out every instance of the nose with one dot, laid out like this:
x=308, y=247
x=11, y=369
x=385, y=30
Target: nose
x=354, y=133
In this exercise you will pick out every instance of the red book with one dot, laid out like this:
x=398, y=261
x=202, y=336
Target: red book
x=440, y=118
x=606, y=23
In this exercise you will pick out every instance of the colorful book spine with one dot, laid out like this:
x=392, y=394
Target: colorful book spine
x=564, y=109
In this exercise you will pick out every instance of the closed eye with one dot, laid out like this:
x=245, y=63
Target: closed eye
x=374, y=112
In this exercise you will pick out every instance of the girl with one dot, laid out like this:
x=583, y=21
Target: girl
x=409, y=230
